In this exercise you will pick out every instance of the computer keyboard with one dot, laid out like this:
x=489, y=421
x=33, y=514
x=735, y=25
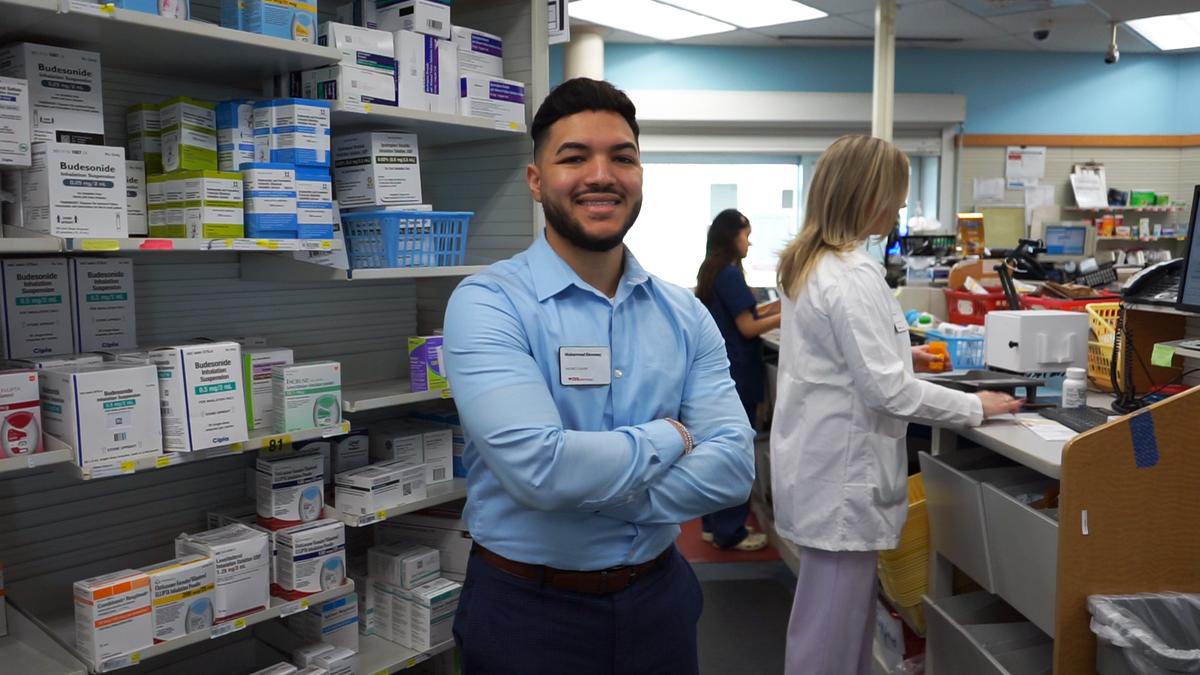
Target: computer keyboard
x=1076, y=419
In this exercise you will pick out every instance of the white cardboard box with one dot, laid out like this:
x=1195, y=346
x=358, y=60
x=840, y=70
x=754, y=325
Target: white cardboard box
x=391, y=612
x=135, y=197
x=333, y=622
x=181, y=596
x=306, y=395
x=338, y=661
x=202, y=402
x=478, y=52
x=365, y=48
x=304, y=656
x=423, y=16
x=105, y=412
x=257, y=366
x=103, y=298
x=432, y=613
x=76, y=190
x=404, y=565
x=453, y=545
x=493, y=98
x=366, y=490
x=426, y=73
x=66, y=360
x=20, y=411
x=290, y=490
x=397, y=442
x=292, y=131
x=311, y=558
x=351, y=451
x=65, y=94
x=235, y=134
x=16, y=134
x=37, y=307
x=377, y=168
x=99, y=600
x=438, y=443
x=242, y=558
x=412, y=481
x=351, y=87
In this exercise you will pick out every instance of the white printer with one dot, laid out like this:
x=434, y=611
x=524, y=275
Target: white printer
x=1036, y=341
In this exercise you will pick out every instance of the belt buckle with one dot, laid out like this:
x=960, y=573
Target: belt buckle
x=604, y=581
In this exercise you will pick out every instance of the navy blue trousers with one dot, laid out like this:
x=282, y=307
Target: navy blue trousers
x=511, y=626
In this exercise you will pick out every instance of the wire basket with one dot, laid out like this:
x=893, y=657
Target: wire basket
x=1031, y=302
x=966, y=353
x=1102, y=319
x=381, y=239
x=965, y=307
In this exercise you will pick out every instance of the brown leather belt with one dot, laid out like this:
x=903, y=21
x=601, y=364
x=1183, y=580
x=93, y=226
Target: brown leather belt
x=599, y=582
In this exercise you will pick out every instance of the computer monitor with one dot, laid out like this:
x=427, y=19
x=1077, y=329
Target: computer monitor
x=1189, y=285
x=1070, y=240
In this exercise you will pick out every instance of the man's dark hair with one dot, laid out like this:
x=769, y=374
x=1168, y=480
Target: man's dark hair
x=578, y=95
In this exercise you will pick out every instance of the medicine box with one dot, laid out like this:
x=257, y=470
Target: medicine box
x=270, y=197
x=305, y=655
x=368, y=490
x=351, y=87
x=307, y=396
x=63, y=361
x=366, y=602
x=113, y=615
x=423, y=16
x=426, y=370
x=450, y=420
x=257, y=366
x=181, y=593
x=16, y=135
x=493, y=98
x=361, y=47
x=135, y=197
x=338, y=661
x=333, y=622
x=438, y=444
x=403, y=565
x=289, y=490
x=314, y=202
x=213, y=205
x=277, y=669
x=292, y=131
x=323, y=447
x=427, y=73
x=351, y=451
x=36, y=312
x=235, y=134
x=310, y=558
x=76, y=190
x=431, y=616
x=65, y=95
x=287, y=19
x=397, y=442
x=21, y=414
x=453, y=542
x=478, y=52
x=202, y=402
x=189, y=134
x=358, y=13
x=106, y=412
x=241, y=557
x=412, y=481
x=103, y=298
x=143, y=136
x=377, y=168
x=312, y=670
x=143, y=118
x=174, y=9
x=391, y=611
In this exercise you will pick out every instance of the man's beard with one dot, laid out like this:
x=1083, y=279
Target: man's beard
x=570, y=229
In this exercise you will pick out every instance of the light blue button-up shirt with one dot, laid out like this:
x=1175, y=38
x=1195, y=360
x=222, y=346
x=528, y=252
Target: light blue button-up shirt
x=590, y=477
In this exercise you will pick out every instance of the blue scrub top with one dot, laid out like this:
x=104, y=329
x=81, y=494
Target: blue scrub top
x=731, y=297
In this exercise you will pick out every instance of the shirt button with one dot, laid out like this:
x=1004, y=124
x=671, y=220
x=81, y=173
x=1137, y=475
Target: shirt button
x=618, y=373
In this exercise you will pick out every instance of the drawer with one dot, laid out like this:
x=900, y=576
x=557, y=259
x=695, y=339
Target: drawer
x=980, y=634
x=954, y=500
x=1023, y=548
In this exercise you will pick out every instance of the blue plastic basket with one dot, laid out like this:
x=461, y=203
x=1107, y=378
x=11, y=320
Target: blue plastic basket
x=380, y=239
x=966, y=353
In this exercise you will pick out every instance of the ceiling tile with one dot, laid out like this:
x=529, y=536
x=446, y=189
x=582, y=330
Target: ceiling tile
x=1028, y=21
x=935, y=19
x=830, y=26
x=1122, y=10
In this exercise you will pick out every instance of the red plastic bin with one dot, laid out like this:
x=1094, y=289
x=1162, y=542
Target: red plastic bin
x=1028, y=302
x=965, y=307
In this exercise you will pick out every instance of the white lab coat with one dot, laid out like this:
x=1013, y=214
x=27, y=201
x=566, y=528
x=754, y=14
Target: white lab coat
x=845, y=394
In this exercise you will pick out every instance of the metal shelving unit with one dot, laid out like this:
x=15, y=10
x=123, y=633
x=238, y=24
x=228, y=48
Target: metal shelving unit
x=290, y=269
x=430, y=127
x=387, y=394
x=54, y=452
x=28, y=649
x=22, y=240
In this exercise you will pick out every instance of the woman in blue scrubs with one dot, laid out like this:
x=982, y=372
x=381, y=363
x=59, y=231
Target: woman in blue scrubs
x=721, y=286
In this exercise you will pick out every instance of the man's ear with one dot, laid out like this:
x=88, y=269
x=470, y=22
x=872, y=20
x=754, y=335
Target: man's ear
x=534, y=178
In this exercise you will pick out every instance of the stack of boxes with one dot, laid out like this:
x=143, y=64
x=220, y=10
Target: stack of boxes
x=411, y=604
x=288, y=187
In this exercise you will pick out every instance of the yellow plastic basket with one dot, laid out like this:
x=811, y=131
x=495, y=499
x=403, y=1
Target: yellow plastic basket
x=904, y=570
x=1099, y=363
x=1102, y=317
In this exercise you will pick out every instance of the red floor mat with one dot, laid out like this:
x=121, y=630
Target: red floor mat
x=696, y=550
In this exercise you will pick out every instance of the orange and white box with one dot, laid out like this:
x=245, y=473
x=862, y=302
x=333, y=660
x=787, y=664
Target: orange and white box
x=112, y=615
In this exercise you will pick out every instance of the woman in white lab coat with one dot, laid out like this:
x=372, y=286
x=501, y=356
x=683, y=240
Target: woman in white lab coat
x=845, y=394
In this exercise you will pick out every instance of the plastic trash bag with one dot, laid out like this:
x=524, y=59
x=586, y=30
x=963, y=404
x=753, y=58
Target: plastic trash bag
x=1156, y=633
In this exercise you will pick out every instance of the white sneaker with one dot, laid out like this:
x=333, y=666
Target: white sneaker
x=707, y=536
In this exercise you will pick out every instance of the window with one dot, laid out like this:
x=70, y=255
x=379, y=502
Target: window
x=680, y=200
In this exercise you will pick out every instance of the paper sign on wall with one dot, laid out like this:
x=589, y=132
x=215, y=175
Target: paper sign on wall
x=988, y=190
x=1024, y=166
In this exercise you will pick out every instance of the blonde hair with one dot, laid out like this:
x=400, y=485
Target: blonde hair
x=858, y=180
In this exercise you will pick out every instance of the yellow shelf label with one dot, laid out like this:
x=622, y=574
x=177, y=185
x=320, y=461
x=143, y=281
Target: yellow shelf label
x=367, y=108
x=446, y=394
x=109, y=8
x=161, y=462
x=276, y=443
x=382, y=515
x=135, y=658
x=128, y=466
x=269, y=244
x=101, y=244
x=326, y=245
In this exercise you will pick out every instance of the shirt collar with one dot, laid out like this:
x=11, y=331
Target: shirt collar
x=551, y=274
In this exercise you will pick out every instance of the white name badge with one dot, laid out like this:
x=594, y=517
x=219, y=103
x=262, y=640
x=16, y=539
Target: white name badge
x=583, y=366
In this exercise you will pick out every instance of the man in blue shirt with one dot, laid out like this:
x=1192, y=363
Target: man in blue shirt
x=599, y=414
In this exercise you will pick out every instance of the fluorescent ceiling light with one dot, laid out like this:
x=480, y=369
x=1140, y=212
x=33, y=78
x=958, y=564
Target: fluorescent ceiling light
x=752, y=13
x=644, y=17
x=1174, y=31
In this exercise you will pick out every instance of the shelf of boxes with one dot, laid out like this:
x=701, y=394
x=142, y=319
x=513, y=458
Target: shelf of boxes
x=60, y=622
x=179, y=49
x=287, y=269
x=27, y=649
x=56, y=452
x=21, y=240
x=377, y=656
x=386, y=394
x=259, y=440
x=1147, y=209
x=438, y=494
x=1160, y=238
x=432, y=128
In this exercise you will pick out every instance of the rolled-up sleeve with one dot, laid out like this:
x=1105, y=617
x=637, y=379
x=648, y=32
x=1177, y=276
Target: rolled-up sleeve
x=719, y=471
x=508, y=413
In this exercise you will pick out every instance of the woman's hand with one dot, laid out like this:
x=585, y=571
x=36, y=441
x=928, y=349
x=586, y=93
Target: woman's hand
x=995, y=403
x=768, y=309
x=924, y=361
